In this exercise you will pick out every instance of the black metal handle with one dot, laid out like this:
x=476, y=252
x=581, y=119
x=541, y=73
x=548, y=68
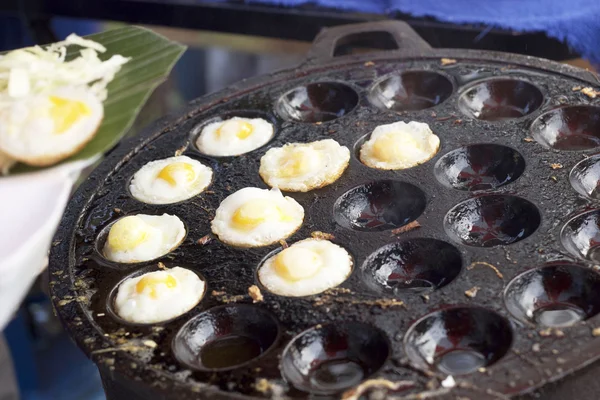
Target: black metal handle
x=329, y=39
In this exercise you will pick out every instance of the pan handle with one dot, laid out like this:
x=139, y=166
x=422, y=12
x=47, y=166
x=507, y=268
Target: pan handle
x=329, y=39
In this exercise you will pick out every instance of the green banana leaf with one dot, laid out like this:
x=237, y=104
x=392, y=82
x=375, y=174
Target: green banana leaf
x=152, y=58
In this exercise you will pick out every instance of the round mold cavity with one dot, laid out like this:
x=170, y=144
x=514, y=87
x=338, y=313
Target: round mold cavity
x=317, y=102
x=226, y=337
x=103, y=237
x=581, y=236
x=492, y=220
x=479, y=167
x=555, y=296
x=416, y=265
x=411, y=91
x=110, y=300
x=331, y=358
x=585, y=177
x=379, y=206
x=458, y=340
x=568, y=128
x=250, y=114
x=500, y=99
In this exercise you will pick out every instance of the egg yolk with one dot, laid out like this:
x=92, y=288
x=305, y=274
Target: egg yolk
x=255, y=212
x=297, y=263
x=66, y=112
x=294, y=163
x=127, y=233
x=152, y=282
x=241, y=129
x=168, y=173
x=395, y=146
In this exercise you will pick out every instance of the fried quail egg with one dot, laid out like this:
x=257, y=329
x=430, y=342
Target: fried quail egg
x=307, y=267
x=170, y=180
x=142, y=237
x=399, y=146
x=300, y=167
x=158, y=296
x=253, y=217
x=51, y=99
x=43, y=129
x=234, y=136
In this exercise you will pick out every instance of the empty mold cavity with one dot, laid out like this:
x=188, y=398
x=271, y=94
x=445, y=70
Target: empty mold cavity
x=380, y=205
x=585, y=177
x=568, y=128
x=317, y=102
x=225, y=337
x=556, y=295
x=415, y=265
x=411, y=91
x=492, y=220
x=458, y=340
x=110, y=300
x=331, y=358
x=479, y=167
x=581, y=236
x=500, y=99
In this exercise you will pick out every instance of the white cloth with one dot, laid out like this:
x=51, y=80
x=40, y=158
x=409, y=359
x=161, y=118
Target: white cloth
x=31, y=206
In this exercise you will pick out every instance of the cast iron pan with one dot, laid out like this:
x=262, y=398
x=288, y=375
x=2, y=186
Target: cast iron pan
x=497, y=287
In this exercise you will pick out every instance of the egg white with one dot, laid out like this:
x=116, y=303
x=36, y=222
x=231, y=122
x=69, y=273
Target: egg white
x=27, y=131
x=264, y=234
x=148, y=188
x=326, y=158
x=211, y=143
x=428, y=145
x=164, y=233
x=335, y=269
x=168, y=303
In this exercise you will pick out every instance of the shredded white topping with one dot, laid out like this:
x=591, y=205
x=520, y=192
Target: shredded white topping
x=37, y=70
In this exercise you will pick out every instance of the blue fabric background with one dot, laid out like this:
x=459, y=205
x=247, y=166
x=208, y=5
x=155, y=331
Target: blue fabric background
x=577, y=22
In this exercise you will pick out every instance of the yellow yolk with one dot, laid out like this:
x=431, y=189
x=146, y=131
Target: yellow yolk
x=241, y=129
x=255, y=212
x=152, y=282
x=127, y=233
x=295, y=163
x=296, y=263
x=394, y=146
x=65, y=112
x=167, y=174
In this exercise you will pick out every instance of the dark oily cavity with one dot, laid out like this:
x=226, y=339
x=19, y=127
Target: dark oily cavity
x=555, y=295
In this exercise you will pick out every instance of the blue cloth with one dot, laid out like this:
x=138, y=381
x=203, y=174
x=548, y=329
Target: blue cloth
x=576, y=22
x=14, y=35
